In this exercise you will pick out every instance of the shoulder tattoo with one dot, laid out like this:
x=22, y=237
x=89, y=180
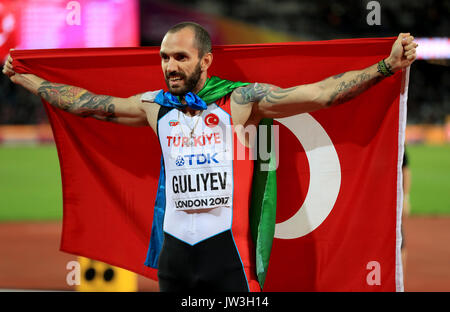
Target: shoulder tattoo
x=257, y=92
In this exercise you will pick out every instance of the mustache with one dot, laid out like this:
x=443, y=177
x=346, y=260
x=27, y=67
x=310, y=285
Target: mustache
x=175, y=74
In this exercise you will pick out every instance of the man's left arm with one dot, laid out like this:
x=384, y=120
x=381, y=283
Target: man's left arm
x=275, y=102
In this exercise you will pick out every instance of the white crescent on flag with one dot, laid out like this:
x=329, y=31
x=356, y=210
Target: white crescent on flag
x=325, y=177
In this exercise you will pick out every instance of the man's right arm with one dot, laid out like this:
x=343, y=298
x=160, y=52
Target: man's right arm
x=84, y=103
x=129, y=111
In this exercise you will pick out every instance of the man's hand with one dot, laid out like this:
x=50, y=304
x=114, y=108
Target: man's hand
x=28, y=81
x=403, y=52
x=8, y=69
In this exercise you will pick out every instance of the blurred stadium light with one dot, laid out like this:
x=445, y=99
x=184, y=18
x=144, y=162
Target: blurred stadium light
x=433, y=48
x=48, y=24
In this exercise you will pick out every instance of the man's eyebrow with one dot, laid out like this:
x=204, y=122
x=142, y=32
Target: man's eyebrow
x=163, y=53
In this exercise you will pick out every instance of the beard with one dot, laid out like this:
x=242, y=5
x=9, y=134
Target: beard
x=190, y=81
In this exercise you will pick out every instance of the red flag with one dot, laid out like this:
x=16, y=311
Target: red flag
x=338, y=175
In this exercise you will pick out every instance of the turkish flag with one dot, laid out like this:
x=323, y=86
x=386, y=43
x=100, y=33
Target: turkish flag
x=338, y=177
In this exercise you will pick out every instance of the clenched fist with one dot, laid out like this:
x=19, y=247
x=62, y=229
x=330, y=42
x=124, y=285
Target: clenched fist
x=8, y=69
x=403, y=52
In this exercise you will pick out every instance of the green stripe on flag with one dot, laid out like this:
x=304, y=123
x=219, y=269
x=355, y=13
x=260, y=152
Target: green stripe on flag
x=263, y=204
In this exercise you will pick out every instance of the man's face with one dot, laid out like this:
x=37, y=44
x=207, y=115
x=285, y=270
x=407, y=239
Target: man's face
x=180, y=62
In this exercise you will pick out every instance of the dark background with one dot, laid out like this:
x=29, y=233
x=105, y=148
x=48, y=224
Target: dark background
x=429, y=91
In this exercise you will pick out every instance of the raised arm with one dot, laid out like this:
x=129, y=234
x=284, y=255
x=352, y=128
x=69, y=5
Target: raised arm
x=79, y=101
x=269, y=101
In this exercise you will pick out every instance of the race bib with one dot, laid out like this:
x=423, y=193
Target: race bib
x=198, y=166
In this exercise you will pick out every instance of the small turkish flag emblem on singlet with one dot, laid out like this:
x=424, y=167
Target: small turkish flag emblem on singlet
x=211, y=120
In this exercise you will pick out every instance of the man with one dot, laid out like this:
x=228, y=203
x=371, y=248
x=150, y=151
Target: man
x=207, y=242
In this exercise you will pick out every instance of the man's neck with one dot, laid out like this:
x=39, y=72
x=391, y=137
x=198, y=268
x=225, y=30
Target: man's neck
x=200, y=84
x=190, y=112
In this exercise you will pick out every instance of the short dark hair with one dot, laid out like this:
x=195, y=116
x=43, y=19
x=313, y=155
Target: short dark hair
x=202, y=38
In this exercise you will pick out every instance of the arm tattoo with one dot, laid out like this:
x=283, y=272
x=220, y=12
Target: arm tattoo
x=77, y=100
x=257, y=92
x=348, y=89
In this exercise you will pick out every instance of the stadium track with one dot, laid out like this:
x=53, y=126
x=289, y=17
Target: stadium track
x=30, y=256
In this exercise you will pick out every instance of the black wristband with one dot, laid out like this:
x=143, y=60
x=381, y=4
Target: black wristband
x=384, y=69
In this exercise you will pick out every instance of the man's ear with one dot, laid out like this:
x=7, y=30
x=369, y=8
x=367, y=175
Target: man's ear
x=207, y=61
